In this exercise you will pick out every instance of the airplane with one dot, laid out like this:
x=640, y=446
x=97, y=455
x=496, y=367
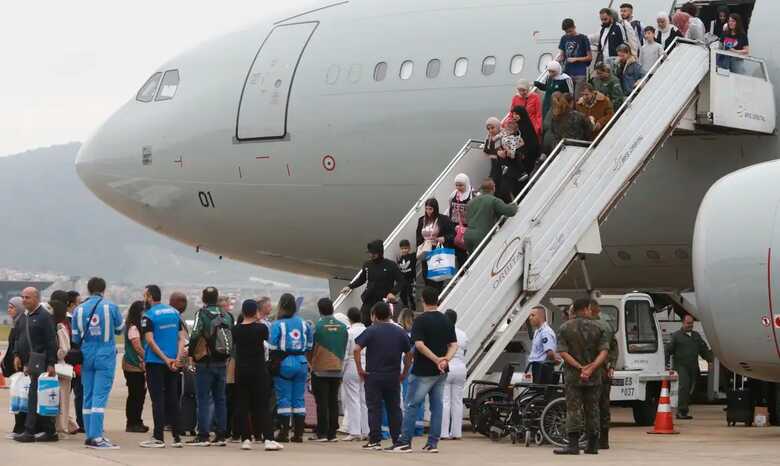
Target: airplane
x=294, y=142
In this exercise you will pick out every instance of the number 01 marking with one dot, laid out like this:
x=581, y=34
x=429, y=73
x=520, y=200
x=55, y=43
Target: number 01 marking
x=206, y=200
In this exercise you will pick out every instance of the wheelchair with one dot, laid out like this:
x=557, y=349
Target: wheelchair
x=536, y=415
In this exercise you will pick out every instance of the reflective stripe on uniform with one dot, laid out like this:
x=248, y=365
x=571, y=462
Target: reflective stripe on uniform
x=98, y=410
x=299, y=410
x=284, y=410
x=283, y=337
x=80, y=321
x=106, y=323
x=86, y=411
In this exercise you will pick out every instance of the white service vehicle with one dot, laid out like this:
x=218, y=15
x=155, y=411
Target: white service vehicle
x=641, y=358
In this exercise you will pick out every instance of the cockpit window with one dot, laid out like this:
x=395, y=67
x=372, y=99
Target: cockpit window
x=170, y=83
x=147, y=91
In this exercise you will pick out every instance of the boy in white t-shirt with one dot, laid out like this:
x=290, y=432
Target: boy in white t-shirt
x=651, y=50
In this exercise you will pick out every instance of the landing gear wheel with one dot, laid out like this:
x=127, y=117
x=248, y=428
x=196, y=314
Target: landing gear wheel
x=538, y=438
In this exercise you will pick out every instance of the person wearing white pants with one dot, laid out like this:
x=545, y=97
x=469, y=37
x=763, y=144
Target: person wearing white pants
x=353, y=391
x=452, y=415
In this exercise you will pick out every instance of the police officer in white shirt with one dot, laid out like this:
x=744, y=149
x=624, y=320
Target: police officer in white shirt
x=543, y=356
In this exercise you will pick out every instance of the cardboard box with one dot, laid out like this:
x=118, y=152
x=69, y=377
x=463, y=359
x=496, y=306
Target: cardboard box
x=761, y=416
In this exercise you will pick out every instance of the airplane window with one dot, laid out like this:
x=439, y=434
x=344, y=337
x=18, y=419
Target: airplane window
x=461, y=67
x=333, y=74
x=380, y=71
x=170, y=82
x=146, y=93
x=544, y=60
x=407, y=68
x=434, y=66
x=488, y=66
x=516, y=65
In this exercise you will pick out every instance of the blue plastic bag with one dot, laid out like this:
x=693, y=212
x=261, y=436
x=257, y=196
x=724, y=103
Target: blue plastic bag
x=441, y=265
x=48, y=396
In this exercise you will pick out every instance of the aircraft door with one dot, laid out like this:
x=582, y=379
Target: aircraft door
x=741, y=94
x=262, y=110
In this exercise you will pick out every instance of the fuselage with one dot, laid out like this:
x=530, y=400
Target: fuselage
x=356, y=152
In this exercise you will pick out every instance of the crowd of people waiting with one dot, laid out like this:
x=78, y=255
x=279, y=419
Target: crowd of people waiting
x=244, y=367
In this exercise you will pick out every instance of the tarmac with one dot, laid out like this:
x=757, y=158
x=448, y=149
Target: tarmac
x=706, y=440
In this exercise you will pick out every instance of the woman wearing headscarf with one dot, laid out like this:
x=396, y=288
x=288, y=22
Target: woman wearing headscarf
x=529, y=151
x=494, y=150
x=15, y=310
x=532, y=103
x=667, y=32
x=459, y=199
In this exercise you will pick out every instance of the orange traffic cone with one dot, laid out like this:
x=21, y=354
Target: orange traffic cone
x=664, y=422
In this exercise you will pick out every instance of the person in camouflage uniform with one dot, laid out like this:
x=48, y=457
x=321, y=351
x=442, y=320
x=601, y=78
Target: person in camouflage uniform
x=584, y=347
x=606, y=384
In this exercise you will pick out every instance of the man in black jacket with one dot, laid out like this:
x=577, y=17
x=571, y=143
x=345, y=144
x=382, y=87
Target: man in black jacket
x=382, y=277
x=611, y=36
x=42, y=339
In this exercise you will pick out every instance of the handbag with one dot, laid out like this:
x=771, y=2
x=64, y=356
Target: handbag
x=75, y=356
x=441, y=265
x=424, y=249
x=36, y=362
x=460, y=235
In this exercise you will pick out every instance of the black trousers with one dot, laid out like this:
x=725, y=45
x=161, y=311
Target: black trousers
x=326, y=394
x=78, y=400
x=163, y=387
x=407, y=297
x=253, y=416
x=383, y=388
x=35, y=423
x=19, y=421
x=543, y=373
x=136, y=395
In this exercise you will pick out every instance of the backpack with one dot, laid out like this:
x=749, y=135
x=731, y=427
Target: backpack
x=218, y=336
x=631, y=37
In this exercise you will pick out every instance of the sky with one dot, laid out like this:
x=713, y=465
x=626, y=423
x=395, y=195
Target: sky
x=66, y=66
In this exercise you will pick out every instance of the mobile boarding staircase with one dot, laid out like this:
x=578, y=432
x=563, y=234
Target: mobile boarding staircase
x=572, y=193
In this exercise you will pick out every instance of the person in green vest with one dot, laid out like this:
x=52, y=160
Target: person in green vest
x=483, y=212
x=685, y=347
x=327, y=364
x=133, y=368
x=606, y=384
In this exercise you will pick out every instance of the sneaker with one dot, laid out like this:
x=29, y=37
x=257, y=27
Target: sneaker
x=152, y=443
x=372, y=446
x=350, y=438
x=270, y=445
x=10, y=435
x=197, y=442
x=233, y=440
x=400, y=448
x=246, y=445
x=221, y=442
x=102, y=444
x=177, y=443
x=428, y=448
x=332, y=440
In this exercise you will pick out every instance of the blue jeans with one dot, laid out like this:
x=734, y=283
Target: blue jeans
x=210, y=386
x=419, y=387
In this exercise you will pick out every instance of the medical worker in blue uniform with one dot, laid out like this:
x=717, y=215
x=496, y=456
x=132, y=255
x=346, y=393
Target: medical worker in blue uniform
x=291, y=339
x=95, y=324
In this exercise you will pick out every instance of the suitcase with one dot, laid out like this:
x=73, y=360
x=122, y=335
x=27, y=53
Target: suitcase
x=311, y=408
x=188, y=406
x=739, y=404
